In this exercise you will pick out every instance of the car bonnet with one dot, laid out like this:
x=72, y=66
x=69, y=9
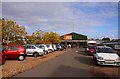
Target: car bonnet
x=112, y=56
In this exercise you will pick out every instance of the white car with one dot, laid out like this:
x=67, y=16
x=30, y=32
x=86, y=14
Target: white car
x=33, y=50
x=50, y=47
x=43, y=46
x=54, y=47
x=106, y=56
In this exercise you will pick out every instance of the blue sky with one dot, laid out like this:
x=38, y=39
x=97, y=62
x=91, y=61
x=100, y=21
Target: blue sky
x=94, y=19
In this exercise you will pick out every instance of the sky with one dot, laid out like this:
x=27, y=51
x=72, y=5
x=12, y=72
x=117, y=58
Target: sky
x=59, y=0
x=94, y=19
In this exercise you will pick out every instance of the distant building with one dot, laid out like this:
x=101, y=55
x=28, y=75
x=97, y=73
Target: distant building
x=74, y=39
x=115, y=45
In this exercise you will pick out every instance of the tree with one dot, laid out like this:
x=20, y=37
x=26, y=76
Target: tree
x=29, y=39
x=51, y=37
x=11, y=30
x=54, y=37
x=14, y=33
x=38, y=36
x=106, y=39
x=46, y=38
x=115, y=40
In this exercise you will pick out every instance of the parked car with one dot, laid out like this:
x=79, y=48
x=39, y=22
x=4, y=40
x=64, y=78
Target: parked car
x=106, y=56
x=90, y=50
x=50, y=47
x=33, y=50
x=14, y=51
x=54, y=47
x=43, y=46
x=63, y=46
x=2, y=56
x=59, y=47
x=87, y=49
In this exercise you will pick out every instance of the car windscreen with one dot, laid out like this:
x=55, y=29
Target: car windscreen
x=58, y=46
x=24, y=46
x=104, y=50
x=5, y=47
x=40, y=46
x=92, y=47
x=62, y=44
x=48, y=46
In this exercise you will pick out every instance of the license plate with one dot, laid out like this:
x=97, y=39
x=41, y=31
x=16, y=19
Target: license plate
x=109, y=62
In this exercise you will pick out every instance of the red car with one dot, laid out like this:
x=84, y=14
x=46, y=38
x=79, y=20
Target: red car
x=92, y=50
x=14, y=51
x=2, y=56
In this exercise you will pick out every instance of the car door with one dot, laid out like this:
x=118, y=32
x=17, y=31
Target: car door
x=12, y=52
x=30, y=50
x=41, y=47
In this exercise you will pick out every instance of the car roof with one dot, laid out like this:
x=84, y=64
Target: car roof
x=48, y=44
x=103, y=47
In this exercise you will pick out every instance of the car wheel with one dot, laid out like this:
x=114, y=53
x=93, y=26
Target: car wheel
x=96, y=63
x=36, y=54
x=45, y=52
x=58, y=49
x=50, y=51
x=21, y=57
x=93, y=58
x=3, y=62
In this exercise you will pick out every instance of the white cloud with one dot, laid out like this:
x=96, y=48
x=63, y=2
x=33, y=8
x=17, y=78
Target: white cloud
x=58, y=17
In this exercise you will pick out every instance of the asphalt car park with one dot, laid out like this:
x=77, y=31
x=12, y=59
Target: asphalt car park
x=71, y=62
x=74, y=63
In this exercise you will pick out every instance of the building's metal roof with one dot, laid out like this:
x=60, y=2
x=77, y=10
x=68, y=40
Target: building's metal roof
x=113, y=43
x=73, y=33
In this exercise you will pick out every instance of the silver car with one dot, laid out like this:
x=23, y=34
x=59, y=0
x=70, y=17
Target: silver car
x=43, y=46
x=33, y=50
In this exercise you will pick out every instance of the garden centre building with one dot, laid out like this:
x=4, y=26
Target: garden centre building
x=74, y=39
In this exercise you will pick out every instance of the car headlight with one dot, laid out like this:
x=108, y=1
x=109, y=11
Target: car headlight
x=100, y=58
x=118, y=59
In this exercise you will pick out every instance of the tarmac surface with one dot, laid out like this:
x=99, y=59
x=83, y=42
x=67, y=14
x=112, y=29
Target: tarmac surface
x=75, y=63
